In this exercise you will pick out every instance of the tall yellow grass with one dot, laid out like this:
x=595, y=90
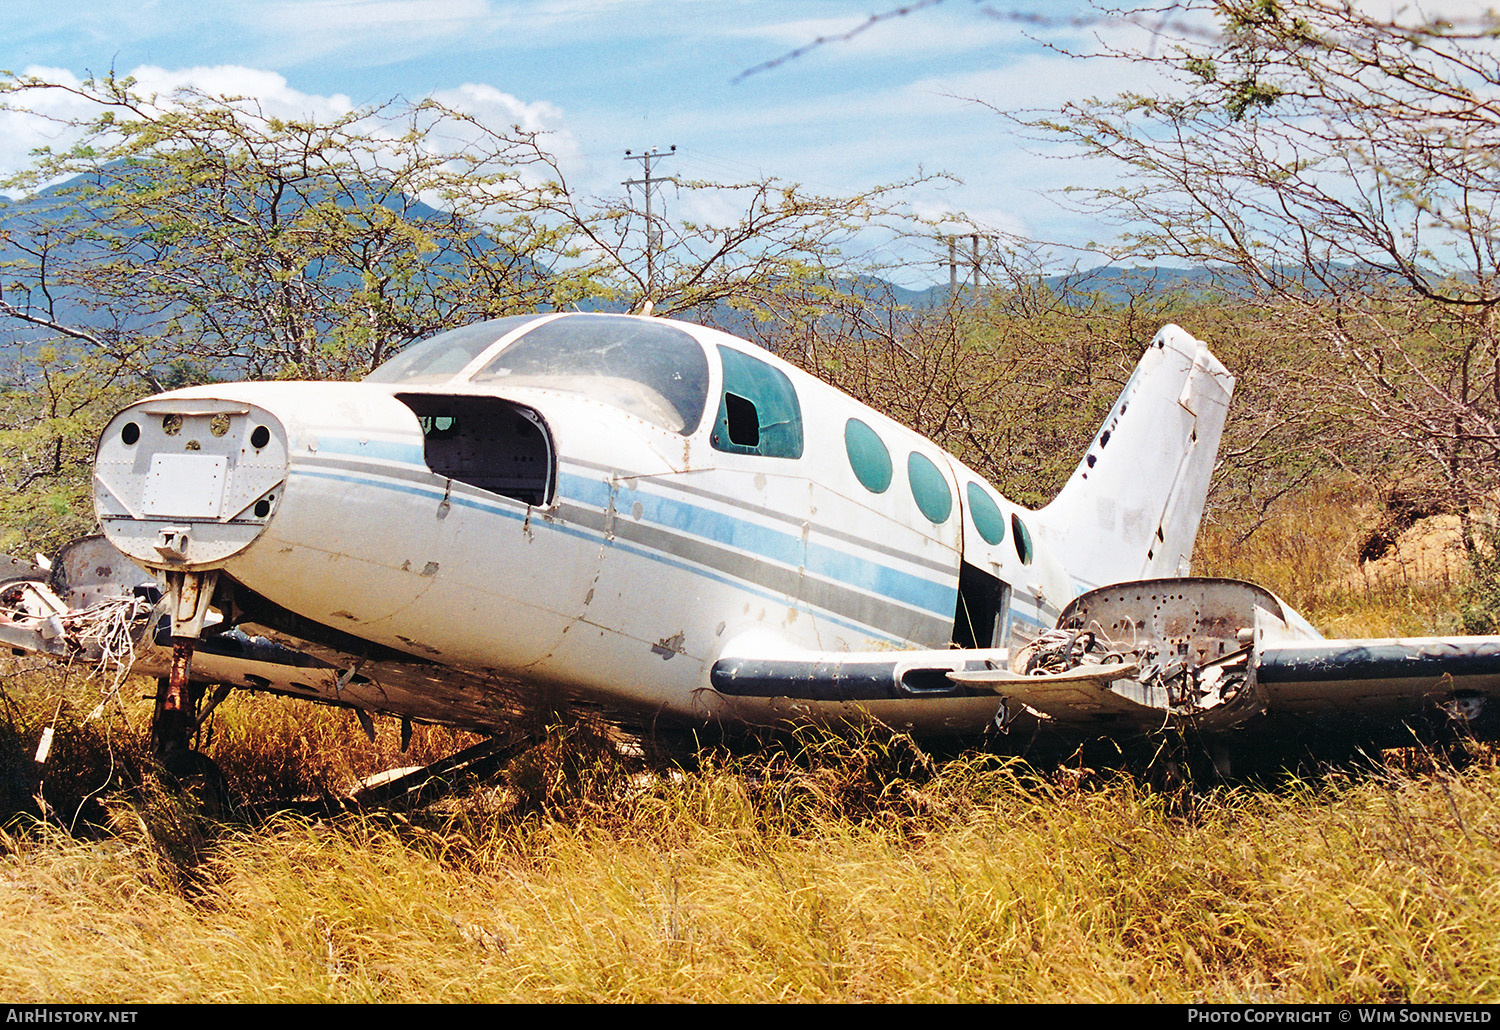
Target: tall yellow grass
x=1307, y=553
x=981, y=883
x=819, y=870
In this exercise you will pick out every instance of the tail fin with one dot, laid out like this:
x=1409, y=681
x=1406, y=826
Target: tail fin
x=1132, y=507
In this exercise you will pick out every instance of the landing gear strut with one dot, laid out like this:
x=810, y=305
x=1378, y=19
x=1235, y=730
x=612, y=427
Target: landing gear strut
x=175, y=721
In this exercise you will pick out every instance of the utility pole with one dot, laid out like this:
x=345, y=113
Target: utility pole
x=975, y=261
x=653, y=235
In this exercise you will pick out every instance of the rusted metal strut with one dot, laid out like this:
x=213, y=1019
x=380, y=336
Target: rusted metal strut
x=175, y=719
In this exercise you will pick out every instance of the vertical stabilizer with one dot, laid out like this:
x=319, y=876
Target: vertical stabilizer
x=1131, y=508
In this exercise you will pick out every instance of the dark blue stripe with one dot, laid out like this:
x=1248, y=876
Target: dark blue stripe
x=766, y=543
x=593, y=537
x=1415, y=659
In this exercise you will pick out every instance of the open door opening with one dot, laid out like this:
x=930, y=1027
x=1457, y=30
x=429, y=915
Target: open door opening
x=982, y=600
x=487, y=442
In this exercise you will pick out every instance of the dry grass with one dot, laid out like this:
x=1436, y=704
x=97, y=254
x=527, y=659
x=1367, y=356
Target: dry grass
x=755, y=879
x=1307, y=553
x=811, y=870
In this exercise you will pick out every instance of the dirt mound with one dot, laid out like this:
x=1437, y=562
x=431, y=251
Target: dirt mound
x=1430, y=550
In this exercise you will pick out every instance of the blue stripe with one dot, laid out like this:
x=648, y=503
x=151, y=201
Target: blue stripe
x=755, y=540
x=379, y=450
x=592, y=537
x=759, y=541
x=769, y=544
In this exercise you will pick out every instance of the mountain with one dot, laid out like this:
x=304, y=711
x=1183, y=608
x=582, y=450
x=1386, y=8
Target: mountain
x=22, y=219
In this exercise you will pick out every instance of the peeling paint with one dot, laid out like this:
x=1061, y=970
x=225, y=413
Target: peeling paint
x=430, y=569
x=418, y=645
x=669, y=646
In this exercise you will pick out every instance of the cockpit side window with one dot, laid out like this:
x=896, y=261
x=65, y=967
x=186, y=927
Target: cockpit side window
x=648, y=368
x=758, y=412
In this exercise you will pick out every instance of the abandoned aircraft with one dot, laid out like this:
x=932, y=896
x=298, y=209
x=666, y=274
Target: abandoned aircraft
x=673, y=524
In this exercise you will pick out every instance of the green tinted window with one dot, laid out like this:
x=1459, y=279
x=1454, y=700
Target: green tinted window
x=986, y=514
x=438, y=358
x=758, y=411
x=929, y=488
x=1022, y=538
x=868, y=457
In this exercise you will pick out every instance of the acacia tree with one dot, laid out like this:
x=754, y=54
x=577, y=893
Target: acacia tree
x=319, y=247
x=783, y=240
x=1340, y=168
x=197, y=234
x=199, y=225
x=1013, y=377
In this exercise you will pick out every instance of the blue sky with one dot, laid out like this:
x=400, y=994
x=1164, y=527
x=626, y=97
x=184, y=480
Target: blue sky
x=907, y=95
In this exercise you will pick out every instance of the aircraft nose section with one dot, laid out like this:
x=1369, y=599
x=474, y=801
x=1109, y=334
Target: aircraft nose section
x=186, y=483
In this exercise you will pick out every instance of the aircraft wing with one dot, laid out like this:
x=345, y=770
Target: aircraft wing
x=1216, y=658
x=1228, y=659
x=1331, y=676
x=1222, y=660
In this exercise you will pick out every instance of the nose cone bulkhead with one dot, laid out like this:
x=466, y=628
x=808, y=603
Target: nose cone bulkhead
x=188, y=482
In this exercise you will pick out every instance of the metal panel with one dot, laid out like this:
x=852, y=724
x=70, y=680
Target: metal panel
x=185, y=486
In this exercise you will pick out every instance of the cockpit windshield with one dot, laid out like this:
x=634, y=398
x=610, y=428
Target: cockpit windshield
x=647, y=367
x=439, y=358
x=650, y=368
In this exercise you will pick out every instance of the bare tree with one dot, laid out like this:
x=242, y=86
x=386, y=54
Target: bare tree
x=1341, y=169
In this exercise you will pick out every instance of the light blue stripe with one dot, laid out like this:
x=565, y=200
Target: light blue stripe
x=757, y=540
x=742, y=535
x=770, y=544
x=376, y=450
x=593, y=537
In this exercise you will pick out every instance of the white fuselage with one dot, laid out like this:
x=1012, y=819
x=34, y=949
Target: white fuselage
x=654, y=555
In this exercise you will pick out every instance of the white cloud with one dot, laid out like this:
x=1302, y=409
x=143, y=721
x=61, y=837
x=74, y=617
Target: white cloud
x=268, y=89
x=499, y=109
x=362, y=15
x=55, y=117
x=45, y=122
